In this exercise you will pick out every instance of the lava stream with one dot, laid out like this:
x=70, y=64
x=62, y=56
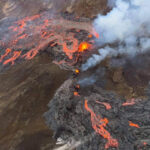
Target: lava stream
x=98, y=125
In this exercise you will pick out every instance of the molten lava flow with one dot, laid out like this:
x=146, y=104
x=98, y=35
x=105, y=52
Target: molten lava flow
x=7, y=51
x=84, y=46
x=70, y=51
x=36, y=32
x=129, y=102
x=133, y=125
x=98, y=125
x=77, y=71
x=31, y=54
x=107, y=105
x=16, y=55
x=76, y=94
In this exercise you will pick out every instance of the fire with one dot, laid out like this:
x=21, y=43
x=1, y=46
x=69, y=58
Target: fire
x=76, y=94
x=84, y=46
x=7, y=51
x=35, y=32
x=98, y=125
x=77, y=71
x=133, y=125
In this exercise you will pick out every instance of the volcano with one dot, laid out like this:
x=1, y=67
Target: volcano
x=89, y=60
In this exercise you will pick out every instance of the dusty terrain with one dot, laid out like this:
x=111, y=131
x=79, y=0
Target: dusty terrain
x=26, y=88
x=24, y=94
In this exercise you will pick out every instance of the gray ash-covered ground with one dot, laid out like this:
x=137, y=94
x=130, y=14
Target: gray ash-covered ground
x=109, y=83
x=69, y=119
x=113, y=81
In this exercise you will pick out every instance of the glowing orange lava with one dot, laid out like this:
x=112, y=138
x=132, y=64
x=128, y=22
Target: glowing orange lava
x=77, y=86
x=7, y=51
x=11, y=60
x=76, y=94
x=77, y=71
x=98, y=125
x=84, y=46
x=90, y=36
x=70, y=51
x=133, y=125
x=107, y=105
x=36, y=32
x=129, y=102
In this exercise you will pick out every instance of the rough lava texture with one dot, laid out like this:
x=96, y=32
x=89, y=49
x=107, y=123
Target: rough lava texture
x=26, y=87
x=68, y=118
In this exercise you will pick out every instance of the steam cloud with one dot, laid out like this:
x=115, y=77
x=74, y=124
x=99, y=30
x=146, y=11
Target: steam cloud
x=128, y=25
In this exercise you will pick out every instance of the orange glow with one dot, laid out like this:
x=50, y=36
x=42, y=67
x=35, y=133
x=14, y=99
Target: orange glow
x=11, y=60
x=98, y=125
x=84, y=46
x=7, y=51
x=144, y=143
x=76, y=94
x=31, y=54
x=95, y=33
x=107, y=105
x=129, y=102
x=90, y=36
x=70, y=51
x=77, y=71
x=31, y=32
x=133, y=124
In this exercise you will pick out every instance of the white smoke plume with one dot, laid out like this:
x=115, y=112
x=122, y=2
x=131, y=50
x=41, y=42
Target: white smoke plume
x=128, y=25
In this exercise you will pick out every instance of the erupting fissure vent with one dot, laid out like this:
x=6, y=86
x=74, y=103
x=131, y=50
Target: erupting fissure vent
x=38, y=32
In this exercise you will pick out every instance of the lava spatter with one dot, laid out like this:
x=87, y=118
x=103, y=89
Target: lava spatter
x=98, y=125
x=84, y=46
x=133, y=124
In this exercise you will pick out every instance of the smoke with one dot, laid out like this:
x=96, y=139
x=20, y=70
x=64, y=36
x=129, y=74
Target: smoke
x=128, y=25
x=111, y=3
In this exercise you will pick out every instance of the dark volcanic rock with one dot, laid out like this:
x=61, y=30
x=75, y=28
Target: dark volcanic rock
x=68, y=118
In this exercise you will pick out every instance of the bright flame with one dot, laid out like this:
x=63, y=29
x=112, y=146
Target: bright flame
x=76, y=94
x=84, y=46
x=77, y=71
